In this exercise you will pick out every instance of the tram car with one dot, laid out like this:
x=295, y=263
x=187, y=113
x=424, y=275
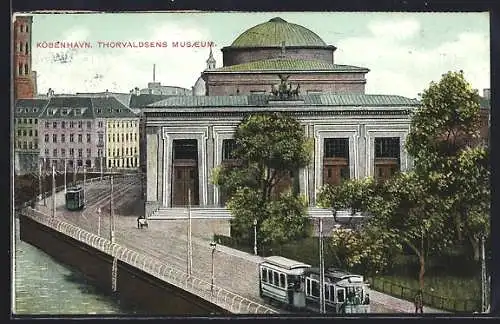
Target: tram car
x=295, y=285
x=75, y=198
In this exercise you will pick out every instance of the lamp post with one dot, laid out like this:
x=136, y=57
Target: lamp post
x=321, y=269
x=111, y=219
x=45, y=174
x=84, y=179
x=213, y=245
x=101, y=166
x=189, y=245
x=40, y=178
x=65, y=179
x=99, y=221
x=53, y=191
x=255, y=236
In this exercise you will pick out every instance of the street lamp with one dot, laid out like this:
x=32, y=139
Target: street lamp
x=213, y=245
x=255, y=236
x=322, y=305
x=99, y=221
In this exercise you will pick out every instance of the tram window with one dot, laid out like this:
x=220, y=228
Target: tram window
x=327, y=292
x=282, y=280
x=264, y=274
x=276, y=278
x=340, y=295
x=315, y=288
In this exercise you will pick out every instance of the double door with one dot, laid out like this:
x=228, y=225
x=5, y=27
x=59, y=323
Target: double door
x=185, y=183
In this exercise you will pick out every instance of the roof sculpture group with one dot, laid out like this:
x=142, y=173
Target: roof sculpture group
x=284, y=90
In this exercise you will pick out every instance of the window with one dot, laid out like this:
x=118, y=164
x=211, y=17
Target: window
x=282, y=280
x=327, y=292
x=36, y=121
x=80, y=138
x=71, y=124
x=25, y=145
x=71, y=152
x=54, y=153
x=126, y=137
x=25, y=132
x=31, y=132
x=54, y=138
x=89, y=152
x=340, y=295
x=30, y=121
x=20, y=70
x=101, y=137
x=63, y=152
x=36, y=132
x=46, y=152
x=135, y=136
x=99, y=152
x=387, y=147
x=63, y=124
x=135, y=150
x=228, y=148
x=21, y=28
x=276, y=278
x=26, y=49
x=19, y=132
x=80, y=153
x=89, y=124
x=126, y=151
x=88, y=138
x=46, y=138
x=100, y=123
x=24, y=121
x=264, y=274
x=71, y=138
x=80, y=124
x=113, y=138
x=54, y=125
x=47, y=124
x=26, y=69
x=336, y=148
x=314, y=288
x=31, y=145
x=35, y=143
x=26, y=28
x=20, y=47
x=123, y=137
x=63, y=138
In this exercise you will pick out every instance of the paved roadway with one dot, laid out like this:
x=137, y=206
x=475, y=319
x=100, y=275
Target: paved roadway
x=167, y=240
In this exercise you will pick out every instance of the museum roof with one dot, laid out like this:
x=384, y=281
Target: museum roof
x=342, y=100
x=276, y=31
x=29, y=107
x=289, y=64
x=143, y=100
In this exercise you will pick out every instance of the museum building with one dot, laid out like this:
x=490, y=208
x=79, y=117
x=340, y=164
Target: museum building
x=283, y=67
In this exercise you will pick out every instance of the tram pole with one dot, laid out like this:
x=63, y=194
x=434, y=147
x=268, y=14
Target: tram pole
x=213, y=245
x=53, y=191
x=40, y=178
x=99, y=221
x=111, y=216
x=44, y=176
x=65, y=172
x=189, y=247
x=101, y=166
x=255, y=236
x=84, y=179
x=321, y=270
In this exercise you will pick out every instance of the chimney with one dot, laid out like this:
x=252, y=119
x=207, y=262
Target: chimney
x=487, y=93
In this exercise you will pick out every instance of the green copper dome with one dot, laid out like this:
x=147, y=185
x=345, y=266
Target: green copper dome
x=276, y=31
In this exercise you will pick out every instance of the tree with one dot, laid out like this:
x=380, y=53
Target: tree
x=442, y=139
x=269, y=148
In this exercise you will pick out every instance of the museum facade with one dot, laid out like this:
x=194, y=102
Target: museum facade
x=281, y=67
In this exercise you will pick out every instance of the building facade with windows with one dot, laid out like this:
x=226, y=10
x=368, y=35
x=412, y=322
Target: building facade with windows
x=24, y=77
x=26, y=139
x=73, y=133
x=288, y=69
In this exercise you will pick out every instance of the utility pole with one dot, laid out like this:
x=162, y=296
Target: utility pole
x=65, y=172
x=84, y=179
x=101, y=166
x=40, y=177
x=322, y=309
x=255, y=236
x=213, y=245
x=111, y=216
x=44, y=177
x=53, y=191
x=484, y=288
x=189, y=246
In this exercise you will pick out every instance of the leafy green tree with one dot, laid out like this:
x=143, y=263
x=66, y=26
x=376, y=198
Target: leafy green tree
x=269, y=147
x=443, y=140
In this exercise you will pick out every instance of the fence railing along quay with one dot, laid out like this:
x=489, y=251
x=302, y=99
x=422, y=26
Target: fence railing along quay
x=219, y=296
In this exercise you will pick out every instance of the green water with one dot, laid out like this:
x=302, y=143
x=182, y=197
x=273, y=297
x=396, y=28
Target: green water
x=44, y=286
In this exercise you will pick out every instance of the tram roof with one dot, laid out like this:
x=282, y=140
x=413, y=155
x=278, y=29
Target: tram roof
x=334, y=273
x=74, y=189
x=285, y=263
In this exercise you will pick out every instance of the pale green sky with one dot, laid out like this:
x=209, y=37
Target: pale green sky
x=404, y=51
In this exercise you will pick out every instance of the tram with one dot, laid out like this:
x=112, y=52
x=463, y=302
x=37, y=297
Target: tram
x=295, y=285
x=75, y=198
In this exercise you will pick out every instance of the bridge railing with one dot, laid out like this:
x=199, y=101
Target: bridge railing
x=153, y=266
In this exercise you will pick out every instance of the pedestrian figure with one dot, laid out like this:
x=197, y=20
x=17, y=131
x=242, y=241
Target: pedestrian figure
x=419, y=302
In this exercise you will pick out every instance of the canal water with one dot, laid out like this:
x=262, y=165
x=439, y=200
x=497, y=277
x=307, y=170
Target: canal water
x=44, y=286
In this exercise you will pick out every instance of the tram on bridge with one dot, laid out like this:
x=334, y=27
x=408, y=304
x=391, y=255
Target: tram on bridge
x=75, y=198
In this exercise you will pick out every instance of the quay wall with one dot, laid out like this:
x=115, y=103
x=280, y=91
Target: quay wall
x=156, y=296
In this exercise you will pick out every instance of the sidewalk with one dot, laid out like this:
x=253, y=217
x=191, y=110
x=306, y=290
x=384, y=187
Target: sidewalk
x=399, y=305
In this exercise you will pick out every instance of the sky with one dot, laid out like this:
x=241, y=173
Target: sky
x=404, y=51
